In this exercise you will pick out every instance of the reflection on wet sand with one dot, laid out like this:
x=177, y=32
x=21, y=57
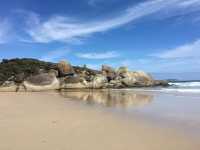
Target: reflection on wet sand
x=110, y=98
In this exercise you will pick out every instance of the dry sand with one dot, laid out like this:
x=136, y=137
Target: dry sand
x=47, y=121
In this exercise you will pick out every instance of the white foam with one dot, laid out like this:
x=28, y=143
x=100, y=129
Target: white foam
x=181, y=90
x=165, y=90
x=186, y=84
x=180, y=87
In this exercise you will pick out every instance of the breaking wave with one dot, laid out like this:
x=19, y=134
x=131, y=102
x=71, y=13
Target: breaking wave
x=185, y=84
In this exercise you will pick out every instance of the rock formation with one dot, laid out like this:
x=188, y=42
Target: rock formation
x=35, y=75
x=41, y=82
x=65, y=68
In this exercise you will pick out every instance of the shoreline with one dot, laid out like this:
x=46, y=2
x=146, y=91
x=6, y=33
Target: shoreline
x=48, y=121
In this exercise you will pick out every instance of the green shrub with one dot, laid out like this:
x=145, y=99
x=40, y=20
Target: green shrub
x=25, y=67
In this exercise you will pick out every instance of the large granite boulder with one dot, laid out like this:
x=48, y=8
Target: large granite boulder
x=65, y=69
x=53, y=71
x=134, y=79
x=99, y=81
x=79, y=85
x=86, y=73
x=42, y=82
x=72, y=79
x=73, y=82
x=122, y=71
x=8, y=86
x=129, y=80
x=143, y=79
x=161, y=83
x=117, y=84
x=109, y=72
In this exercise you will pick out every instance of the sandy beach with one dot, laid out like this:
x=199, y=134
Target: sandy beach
x=49, y=121
x=100, y=75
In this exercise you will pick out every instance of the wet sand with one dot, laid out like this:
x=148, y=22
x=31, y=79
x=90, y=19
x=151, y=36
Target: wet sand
x=49, y=121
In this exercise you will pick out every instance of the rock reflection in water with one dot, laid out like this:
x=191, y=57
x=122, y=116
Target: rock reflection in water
x=110, y=98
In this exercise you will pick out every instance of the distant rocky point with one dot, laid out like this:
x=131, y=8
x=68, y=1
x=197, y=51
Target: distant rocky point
x=35, y=75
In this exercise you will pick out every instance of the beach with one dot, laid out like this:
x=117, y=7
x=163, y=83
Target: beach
x=100, y=75
x=89, y=121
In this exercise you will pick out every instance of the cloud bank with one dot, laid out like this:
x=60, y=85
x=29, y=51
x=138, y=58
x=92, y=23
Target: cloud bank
x=55, y=54
x=179, y=59
x=190, y=50
x=65, y=29
x=104, y=55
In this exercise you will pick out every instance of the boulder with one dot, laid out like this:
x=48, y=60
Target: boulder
x=109, y=72
x=99, y=81
x=86, y=73
x=73, y=82
x=8, y=86
x=41, y=82
x=53, y=71
x=129, y=81
x=134, y=79
x=115, y=84
x=65, y=69
x=143, y=79
x=122, y=71
x=41, y=79
x=72, y=79
x=79, y=85
x=161, y=83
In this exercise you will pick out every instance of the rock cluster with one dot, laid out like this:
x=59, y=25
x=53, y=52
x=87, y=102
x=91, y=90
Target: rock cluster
x=49, y=76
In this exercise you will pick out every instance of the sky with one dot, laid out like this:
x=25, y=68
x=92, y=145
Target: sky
x=158, y=36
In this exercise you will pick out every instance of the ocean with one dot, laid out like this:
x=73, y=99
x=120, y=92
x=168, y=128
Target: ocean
x=184, y=86
x=176, y=87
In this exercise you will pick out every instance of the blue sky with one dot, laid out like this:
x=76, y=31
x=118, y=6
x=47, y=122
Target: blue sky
x=158, y=36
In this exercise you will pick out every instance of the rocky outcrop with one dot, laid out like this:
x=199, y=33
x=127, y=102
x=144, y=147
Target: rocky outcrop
x=49, y=76
x=42, y=82
x=134, y=78
x=86, y=73
x=18, y=70
x=65, y=69
x=8, y=86
x=122, y=71
x=74, y=82
x=161, y=83
x=99, y=81
x=109, y=72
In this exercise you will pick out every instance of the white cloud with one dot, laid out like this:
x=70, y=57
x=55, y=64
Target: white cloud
x=190, y=3
x=104, y=55
x=64, y=29
x=184, y=58
x=163, y=65
x=4, y=31
x=55, y=54
x=190, y=50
